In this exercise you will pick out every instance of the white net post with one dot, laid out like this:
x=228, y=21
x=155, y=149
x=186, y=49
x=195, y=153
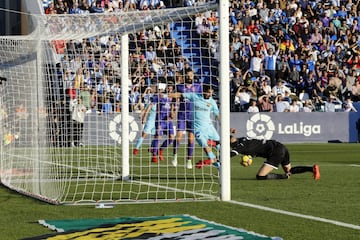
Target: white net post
x=125, y=106
x=225, y=103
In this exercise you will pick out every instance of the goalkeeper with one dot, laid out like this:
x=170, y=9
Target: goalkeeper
x=275, y=154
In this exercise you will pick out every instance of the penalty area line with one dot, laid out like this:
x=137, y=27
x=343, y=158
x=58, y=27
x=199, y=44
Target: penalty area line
x=319, y=219
x=354, y=165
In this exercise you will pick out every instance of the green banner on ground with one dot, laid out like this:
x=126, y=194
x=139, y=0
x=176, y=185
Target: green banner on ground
x=161, y=227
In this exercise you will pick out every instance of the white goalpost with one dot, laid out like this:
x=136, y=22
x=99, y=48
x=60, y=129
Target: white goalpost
x=112, y=64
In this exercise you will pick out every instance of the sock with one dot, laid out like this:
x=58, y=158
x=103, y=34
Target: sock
x=272, y=176
x=301, y=169
x=218, y=147
x=139, y=142
x=190, y=148
x=176, y=146
x=155, y=146
x=166, y=143
x=211, y=155
x=218, y=150
x=152, y=145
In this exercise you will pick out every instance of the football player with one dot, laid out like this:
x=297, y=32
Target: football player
x=275, y=154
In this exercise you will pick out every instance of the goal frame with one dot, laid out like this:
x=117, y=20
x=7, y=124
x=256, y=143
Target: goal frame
x=225, y=177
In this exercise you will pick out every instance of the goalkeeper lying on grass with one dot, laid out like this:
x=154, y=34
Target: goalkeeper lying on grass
x=275, y=154
x=273, y=151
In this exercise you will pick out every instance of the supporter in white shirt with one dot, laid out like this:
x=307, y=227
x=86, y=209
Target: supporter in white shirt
x=294, y=107
x=332, y=104
x=256, y=63
x=280, y=88
x=265, y=87
x=348, y=106
x=242, y=99
x=281, y=104
x=308, y=106
x=253, y=107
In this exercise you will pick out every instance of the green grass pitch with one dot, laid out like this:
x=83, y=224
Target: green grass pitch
x=331, y=200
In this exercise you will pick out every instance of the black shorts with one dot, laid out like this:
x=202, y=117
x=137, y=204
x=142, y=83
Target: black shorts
x=279, y=155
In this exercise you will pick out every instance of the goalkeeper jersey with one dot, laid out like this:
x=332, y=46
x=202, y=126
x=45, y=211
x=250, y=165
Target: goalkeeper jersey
x=255, y=147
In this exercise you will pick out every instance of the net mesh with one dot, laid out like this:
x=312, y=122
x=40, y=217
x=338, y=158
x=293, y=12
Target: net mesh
x=78, y=56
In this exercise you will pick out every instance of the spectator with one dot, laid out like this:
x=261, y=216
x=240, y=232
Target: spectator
x=243, y=96
x=308, y=106
x=264, y=88
x=107, y=106
x=135, y=102
x=93, y=101
x=61, y=7
x=256, y=62
x=355, y=91
x=270, y=64
x=348, y=106
x=51, y=9
x=78, y=119
x=253, y=108
x=294, y=107
x=150, y=54
x=97, y=8
x=85, y=96
x=318, y=42
x=75, y=9
x=280, y=88
x=332, y=104
x=281, y=104
x=265, y=104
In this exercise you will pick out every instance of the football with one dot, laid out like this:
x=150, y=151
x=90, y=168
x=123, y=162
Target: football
x=246, y=160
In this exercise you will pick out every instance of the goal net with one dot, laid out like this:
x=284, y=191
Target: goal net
x=112, y=65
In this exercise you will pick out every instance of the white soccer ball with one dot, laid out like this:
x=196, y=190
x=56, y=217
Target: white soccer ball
x=246, y=160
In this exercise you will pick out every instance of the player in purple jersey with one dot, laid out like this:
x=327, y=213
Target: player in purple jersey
x=165, y=112
x=185, y=117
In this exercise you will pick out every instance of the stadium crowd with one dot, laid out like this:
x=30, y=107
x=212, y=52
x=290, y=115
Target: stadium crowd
x=285, y=55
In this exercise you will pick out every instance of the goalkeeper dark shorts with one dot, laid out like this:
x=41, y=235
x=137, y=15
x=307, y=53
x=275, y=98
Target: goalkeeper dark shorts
x=279, y=155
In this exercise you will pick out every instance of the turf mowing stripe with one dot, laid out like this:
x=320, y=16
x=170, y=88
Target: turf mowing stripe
x=319, y=219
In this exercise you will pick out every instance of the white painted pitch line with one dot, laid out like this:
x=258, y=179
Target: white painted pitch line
x=354, y=165
x=319, y=219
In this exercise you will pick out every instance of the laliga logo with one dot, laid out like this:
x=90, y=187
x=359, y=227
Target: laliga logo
x=115, y=128
x=260, y=126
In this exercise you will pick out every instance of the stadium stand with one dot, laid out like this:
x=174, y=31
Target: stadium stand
x=316, y=47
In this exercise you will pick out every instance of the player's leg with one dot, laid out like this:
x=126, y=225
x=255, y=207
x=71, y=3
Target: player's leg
x=76, y=134
x=168, y=141
x=265, y=170
x=202, y=137
x=149, y=128
x=190, y=148
x=176, y=143
x=139, y=142
x=81, y=132
x=213, y=140
x=298, y=169
x=155, y=148
x=190, y=140
x=279, y=155
x=302, y=169
x=180, y=127
x=179, y=134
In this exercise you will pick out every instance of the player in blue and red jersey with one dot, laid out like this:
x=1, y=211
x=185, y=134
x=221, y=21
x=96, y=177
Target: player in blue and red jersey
x=204, y=106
